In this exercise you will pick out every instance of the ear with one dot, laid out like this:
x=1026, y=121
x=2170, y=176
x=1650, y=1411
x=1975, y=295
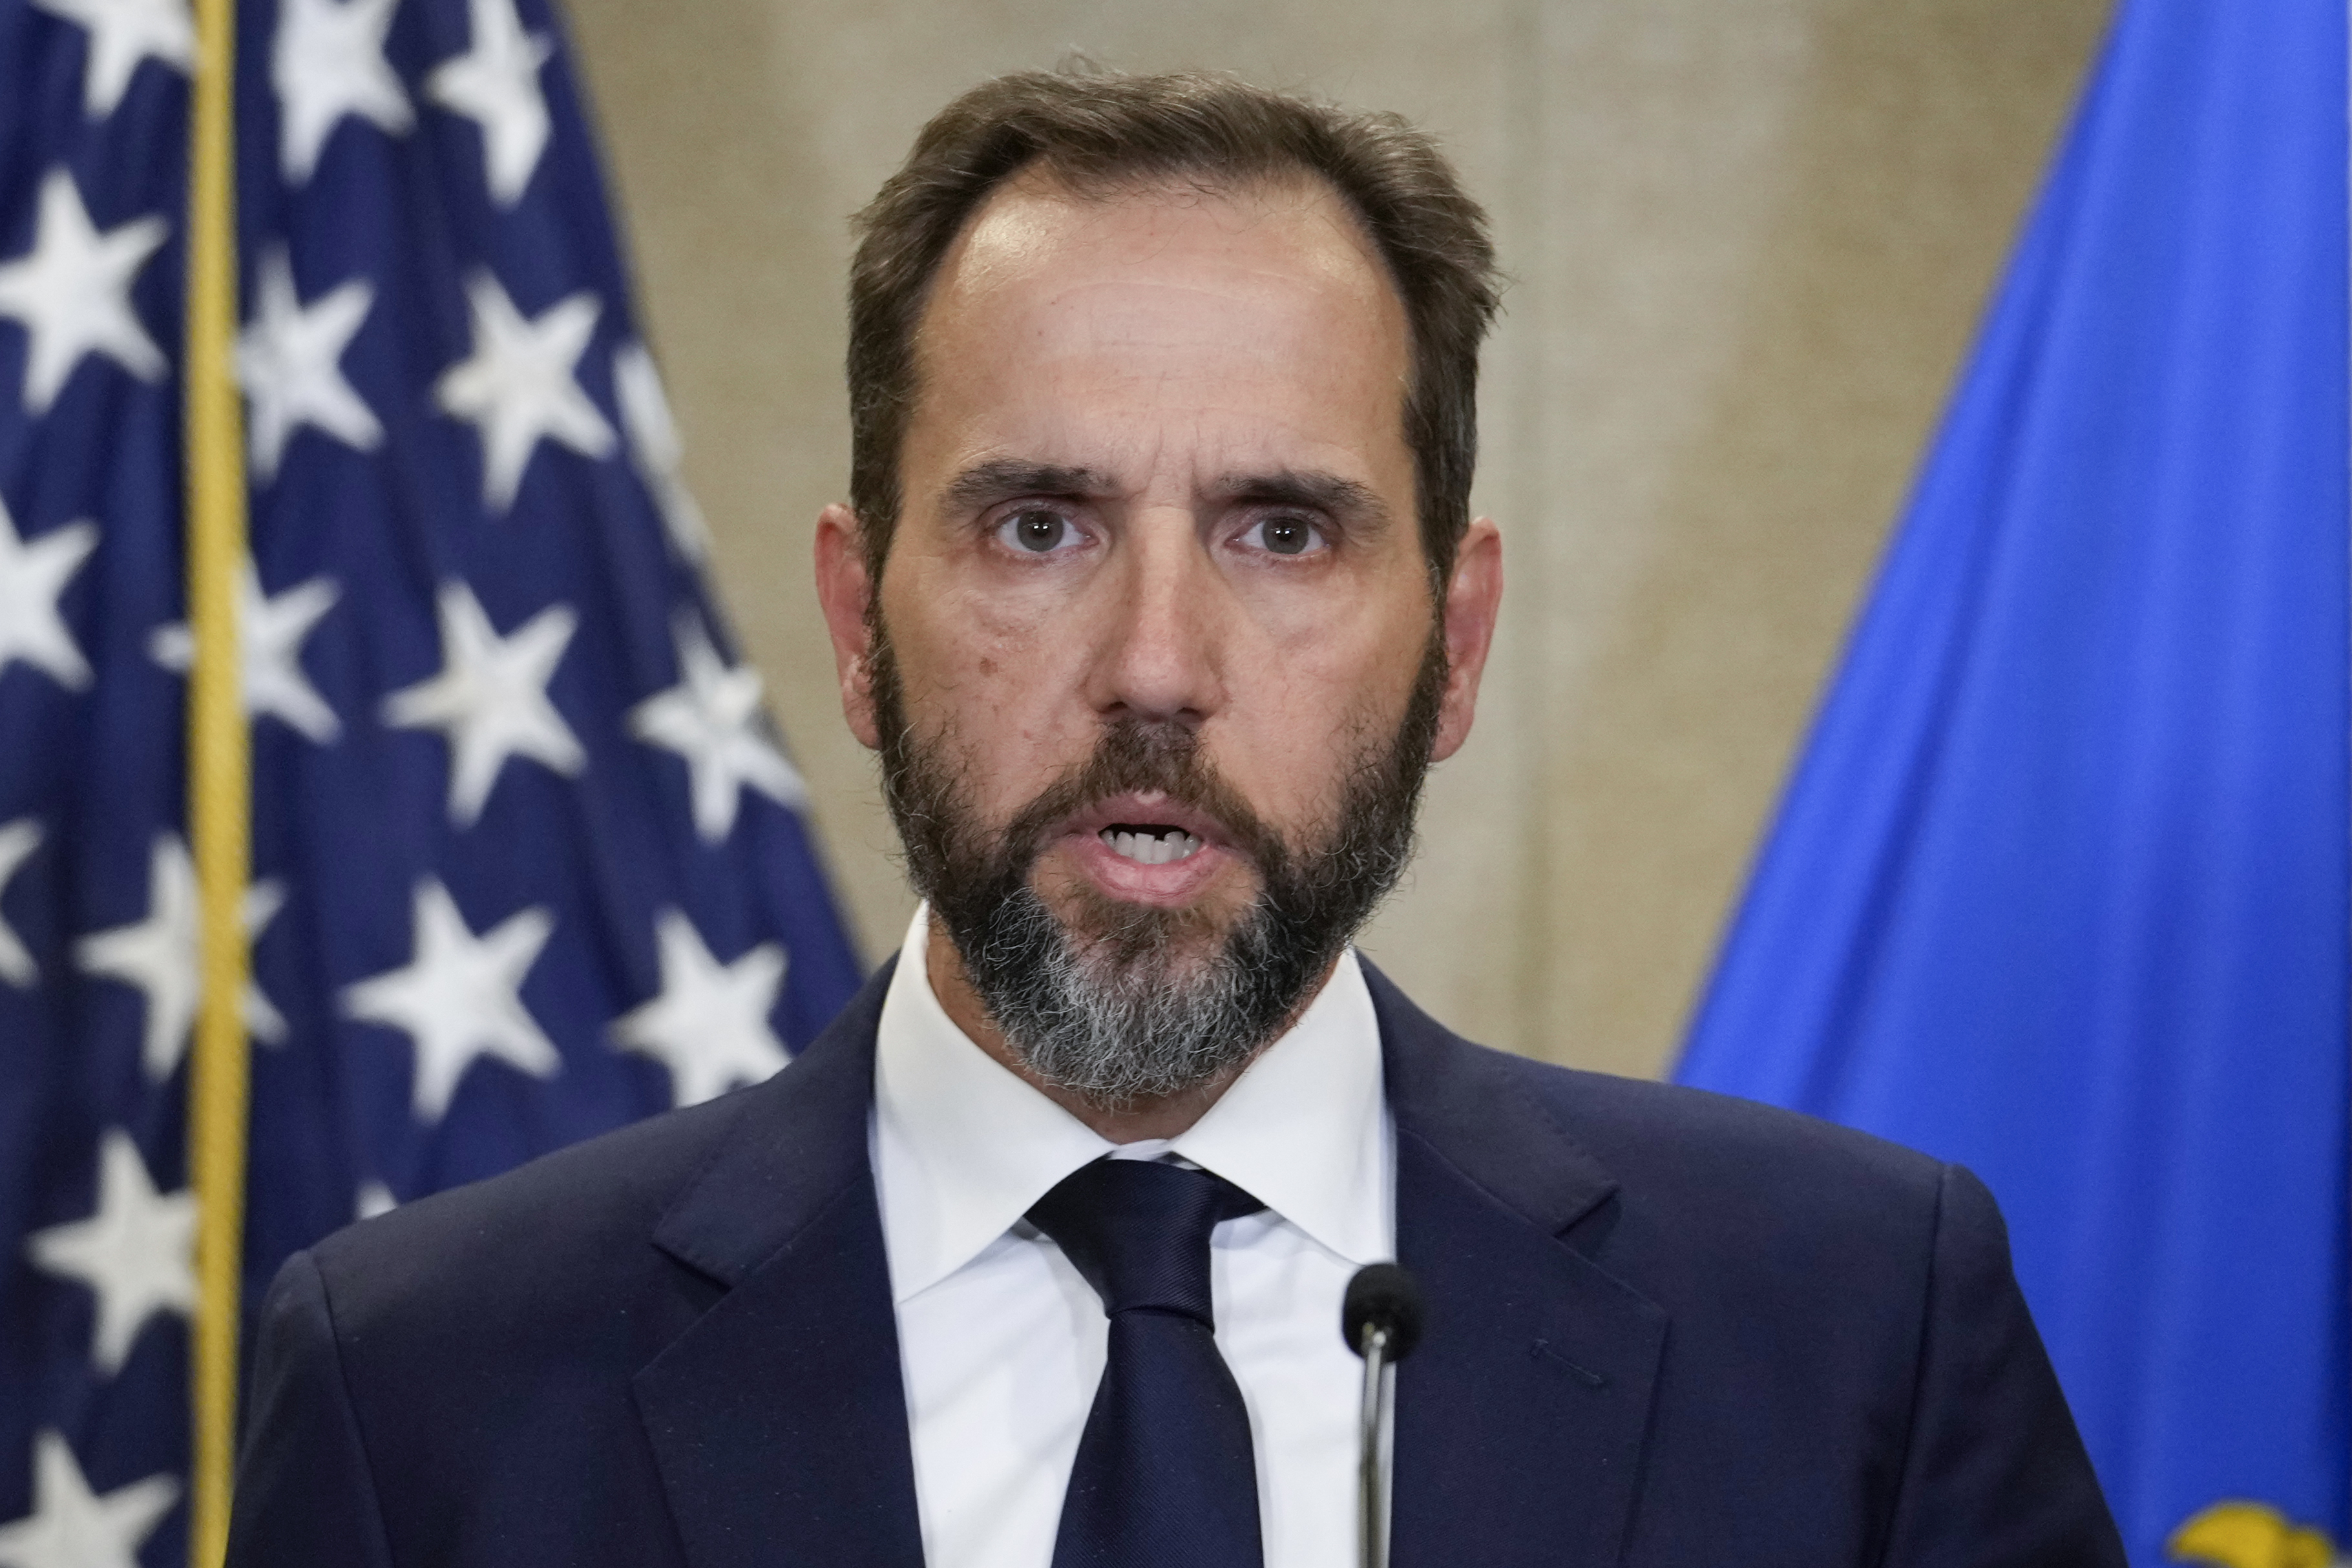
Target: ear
x=1472, y=598
x=845, y=592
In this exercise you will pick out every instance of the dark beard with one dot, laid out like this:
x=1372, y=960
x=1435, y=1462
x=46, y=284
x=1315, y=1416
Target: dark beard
x=1112, y=1011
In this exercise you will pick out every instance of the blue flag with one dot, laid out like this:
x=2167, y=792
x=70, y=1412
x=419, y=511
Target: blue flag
x=528, y=860
x=2060, y=889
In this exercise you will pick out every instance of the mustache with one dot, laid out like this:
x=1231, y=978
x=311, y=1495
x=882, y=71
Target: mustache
x=1138, y=756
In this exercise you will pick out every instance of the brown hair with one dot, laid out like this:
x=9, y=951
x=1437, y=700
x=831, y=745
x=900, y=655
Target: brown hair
x=1099, y=130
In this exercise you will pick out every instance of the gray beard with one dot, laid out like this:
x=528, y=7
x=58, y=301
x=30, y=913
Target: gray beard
x=1116, y=1032
x=1126, y=1009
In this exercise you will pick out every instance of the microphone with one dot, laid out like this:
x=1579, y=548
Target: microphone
x=1381, y=1319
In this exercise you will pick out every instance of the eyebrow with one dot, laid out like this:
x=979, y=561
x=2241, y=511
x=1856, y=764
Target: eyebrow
x=984, y=485
x=1309, y=490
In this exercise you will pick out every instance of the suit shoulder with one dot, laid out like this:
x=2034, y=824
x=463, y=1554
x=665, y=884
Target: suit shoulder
x=1724, y=1129
x=1738, y=1161
x=576, y=1214
x=1658, y=1141
x=1816, y=1227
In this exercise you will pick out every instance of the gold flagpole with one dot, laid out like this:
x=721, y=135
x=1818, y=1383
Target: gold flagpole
x=219, y=807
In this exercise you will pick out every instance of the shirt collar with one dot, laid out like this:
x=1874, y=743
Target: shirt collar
x=963, y=1146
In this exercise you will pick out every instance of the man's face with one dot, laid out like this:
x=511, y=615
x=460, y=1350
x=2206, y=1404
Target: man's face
x=1155, y=606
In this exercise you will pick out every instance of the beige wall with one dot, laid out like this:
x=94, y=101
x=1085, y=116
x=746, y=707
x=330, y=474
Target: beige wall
x=1751, y=239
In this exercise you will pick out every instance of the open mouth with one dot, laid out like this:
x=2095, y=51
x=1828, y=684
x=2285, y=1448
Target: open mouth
x=1150, y=843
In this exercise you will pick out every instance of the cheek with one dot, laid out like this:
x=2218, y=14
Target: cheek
x=954, y=642
x=992, y=671
x=1307, y=708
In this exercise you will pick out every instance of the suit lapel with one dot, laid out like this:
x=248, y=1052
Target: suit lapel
x=1519, y=1421
x=778, y=1419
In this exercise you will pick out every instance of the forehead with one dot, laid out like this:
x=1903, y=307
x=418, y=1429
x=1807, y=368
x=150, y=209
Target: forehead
x=1088, y=319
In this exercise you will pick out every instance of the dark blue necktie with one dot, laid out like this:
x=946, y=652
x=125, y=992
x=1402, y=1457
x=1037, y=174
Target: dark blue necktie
x=1164, y=1477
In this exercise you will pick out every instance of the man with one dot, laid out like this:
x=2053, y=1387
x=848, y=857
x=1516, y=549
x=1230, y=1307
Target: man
x=1158, y=594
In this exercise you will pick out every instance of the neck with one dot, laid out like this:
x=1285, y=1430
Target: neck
x=1128, y=1122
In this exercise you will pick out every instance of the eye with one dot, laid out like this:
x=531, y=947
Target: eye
x=1033, y=530
x=1285, y=534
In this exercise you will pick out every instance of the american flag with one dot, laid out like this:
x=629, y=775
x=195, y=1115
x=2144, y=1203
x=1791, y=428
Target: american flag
x=528, y=861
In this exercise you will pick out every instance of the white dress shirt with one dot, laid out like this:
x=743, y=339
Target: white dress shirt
x=1004, y=1343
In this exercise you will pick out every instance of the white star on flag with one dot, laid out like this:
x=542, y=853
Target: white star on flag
x=496, y=84
x=160, y=955
x=72, y=1527
x=372, y=1198
x=491, y=698
x=72, y=292
x=270, y=633
x=712, y=718
x=136, y=1253
x=459, y=998
x=326, y=62
x=18, y=839
x=122, y=34
x=32, y=579
x=289, y=358
x=520, y=384
x=709, y=1025
x=655, y=445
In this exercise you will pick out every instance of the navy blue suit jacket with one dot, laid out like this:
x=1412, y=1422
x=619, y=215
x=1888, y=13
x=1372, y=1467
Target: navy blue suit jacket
x=1666, y=1328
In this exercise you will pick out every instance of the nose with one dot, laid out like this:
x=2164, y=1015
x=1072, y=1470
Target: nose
x=1161, y=651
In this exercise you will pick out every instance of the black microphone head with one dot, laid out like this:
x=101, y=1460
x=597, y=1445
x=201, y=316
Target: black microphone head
x=1383, y=1295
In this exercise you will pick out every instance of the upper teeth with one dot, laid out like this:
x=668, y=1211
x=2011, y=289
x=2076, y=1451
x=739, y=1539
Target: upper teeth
x=1151, y=848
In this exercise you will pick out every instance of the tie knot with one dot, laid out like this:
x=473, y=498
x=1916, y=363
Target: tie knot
x=1138, y=1232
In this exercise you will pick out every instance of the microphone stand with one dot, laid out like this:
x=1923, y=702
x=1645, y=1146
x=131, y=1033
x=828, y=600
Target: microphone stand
x=1381, y=1320
x=1372, y=1488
